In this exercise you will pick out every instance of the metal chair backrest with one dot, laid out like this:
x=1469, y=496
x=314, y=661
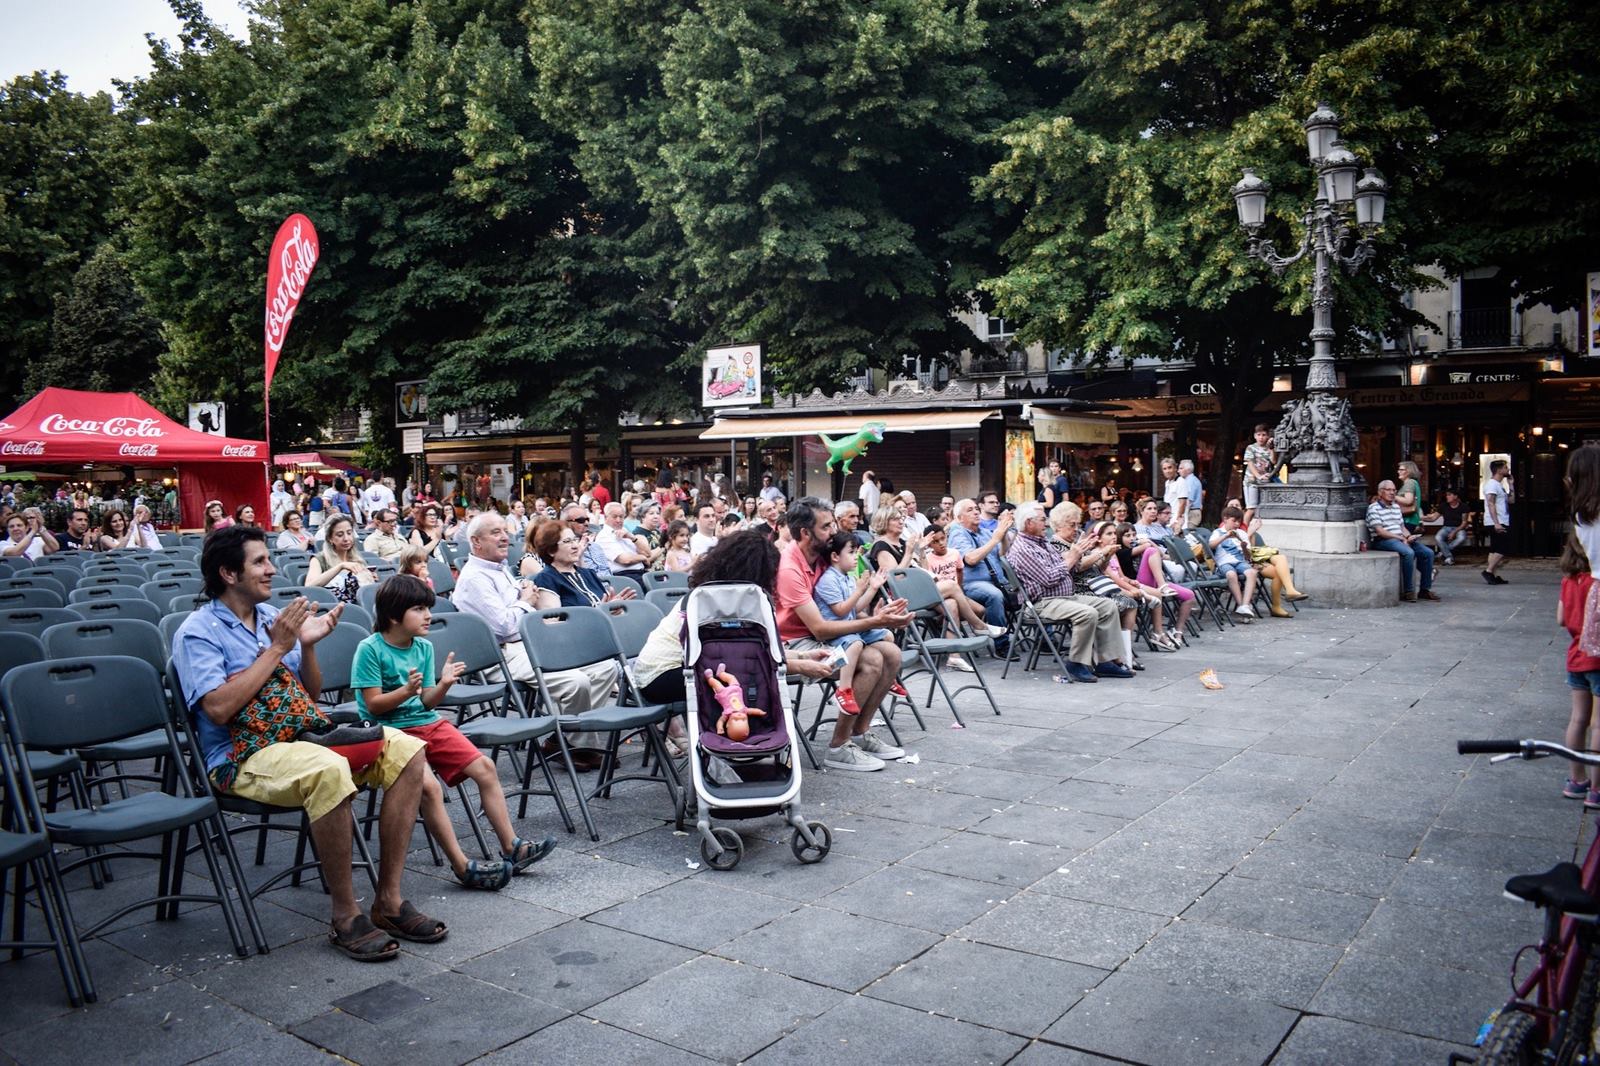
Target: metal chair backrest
x=665, y=579
x=10, y=598
x=31, y=579
x=19, y=649
x=469, y=637
x=666, y=599
x=135, y=608
x=67, y=576
x=567, y=638
x=32, y=620
x=108, y=636
x=632, y=622
x=81, y=702
x=187, y=603
x=620, y=583
x=444, y=582
x=161, y=591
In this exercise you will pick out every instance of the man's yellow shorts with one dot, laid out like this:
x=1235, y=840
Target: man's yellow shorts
x=297, y=774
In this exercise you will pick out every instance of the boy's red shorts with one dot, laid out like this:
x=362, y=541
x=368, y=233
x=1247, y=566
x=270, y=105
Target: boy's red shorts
x=449, y=753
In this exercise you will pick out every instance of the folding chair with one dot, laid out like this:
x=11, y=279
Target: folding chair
x=187, y=603
x=118, y=608
x=81, y=703
x=665, y=579
x=106, y=578
x=66, y=576
x=264, y=813
x=25, y=848
x=1031, y=633
x=632, y=622
x=620, y=583
x=356, y=615
x=367, y=595
x=90, y=590
x=14, y=598
x=322, y=597
x=1208, y=590
x=665, y=599
x=916, y=586
x=162, y=590
x=487, y=686
x=156, y=568
x=10, y=564
x=444, y=580
x=32, y=579
x=32, y=620
x=571, y=639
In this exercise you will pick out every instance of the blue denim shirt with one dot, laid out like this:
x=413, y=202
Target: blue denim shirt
x=960, y=540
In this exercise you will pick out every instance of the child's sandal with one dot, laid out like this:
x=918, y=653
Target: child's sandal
x=524, y=853
x=487, y=876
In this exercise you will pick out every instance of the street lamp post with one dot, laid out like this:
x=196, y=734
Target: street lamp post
x=1317, y=435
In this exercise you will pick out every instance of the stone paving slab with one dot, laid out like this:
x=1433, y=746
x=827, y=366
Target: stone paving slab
x=1298, y=869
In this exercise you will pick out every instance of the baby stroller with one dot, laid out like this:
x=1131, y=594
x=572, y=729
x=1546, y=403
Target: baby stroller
x=730, y=631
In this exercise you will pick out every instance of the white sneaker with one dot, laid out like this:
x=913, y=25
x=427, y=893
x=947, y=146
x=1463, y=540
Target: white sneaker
x=849, y=757
x=876, y=748
x=1245, y=611
x=956, y=662
x=997, y=631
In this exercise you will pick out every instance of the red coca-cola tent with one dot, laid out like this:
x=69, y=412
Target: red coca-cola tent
x=64, y=426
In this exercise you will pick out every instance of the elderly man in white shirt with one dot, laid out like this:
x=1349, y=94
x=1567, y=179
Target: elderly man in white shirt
x=915, y=521
x=484, y=588
x=625, y=553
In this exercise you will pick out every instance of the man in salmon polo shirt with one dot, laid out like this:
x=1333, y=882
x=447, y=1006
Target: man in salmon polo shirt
x=802, y=627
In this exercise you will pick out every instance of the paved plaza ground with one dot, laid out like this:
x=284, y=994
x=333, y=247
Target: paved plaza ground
x=1296, y=869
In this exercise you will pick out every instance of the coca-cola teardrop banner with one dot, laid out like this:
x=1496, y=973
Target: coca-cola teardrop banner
x=294, y=254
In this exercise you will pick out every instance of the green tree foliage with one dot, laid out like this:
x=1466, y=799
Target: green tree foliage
x=1123, y=240
x=101, y=339
x=446, y=208
x=806, y=165
x=56, y=151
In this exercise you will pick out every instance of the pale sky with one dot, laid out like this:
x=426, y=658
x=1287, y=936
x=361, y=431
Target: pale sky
x=93, y=41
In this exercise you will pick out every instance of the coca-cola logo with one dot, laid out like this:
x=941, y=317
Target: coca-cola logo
x=295, y=260
x=55, y=425
x=141, y=450
x=244, y=451
x=22, y=447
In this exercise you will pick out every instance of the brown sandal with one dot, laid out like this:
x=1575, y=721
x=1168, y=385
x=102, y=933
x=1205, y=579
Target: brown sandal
x=410, y=924
x=363, y=941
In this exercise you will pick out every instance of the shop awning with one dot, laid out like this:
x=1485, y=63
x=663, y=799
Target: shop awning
x=1051, y=428
x=835, y=424
x=317, y=463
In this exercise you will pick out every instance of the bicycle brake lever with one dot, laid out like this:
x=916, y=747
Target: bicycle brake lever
x=1502, y=758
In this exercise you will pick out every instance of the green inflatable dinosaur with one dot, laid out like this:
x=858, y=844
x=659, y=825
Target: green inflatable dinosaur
x=848, y=449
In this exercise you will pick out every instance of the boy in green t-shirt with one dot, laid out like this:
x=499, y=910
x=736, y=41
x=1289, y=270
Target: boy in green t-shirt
x=390, y=675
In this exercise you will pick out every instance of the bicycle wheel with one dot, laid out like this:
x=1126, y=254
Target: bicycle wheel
x=1578, y=1032
x=1511, y=1041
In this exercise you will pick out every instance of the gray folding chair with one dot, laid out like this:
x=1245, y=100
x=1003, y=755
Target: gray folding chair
x=116, y=591
x=619, y=583
x=367, y=595
x=32, y=579
x=67, y=576
x=916, y=586
x=444, y=582
x=133, y=577
x=665, y=579
x=571, y=639
x=81, y=703
x=11, y=563
x=322, y=597
x=17, y=649
x=502, y=721
x=121, y=608
x=186, y=602
x=665, y=599
x=161, y=591
x=356, y=615
x=170, y=623
x=25, y=847
x=32, y=620
x=1031, y=633
x=156, y=567
x=10, y=598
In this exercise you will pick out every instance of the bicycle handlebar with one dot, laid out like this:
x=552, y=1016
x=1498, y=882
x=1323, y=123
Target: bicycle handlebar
x=1526, y=749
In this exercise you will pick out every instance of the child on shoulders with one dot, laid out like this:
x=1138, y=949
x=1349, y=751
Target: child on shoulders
x=395, y=682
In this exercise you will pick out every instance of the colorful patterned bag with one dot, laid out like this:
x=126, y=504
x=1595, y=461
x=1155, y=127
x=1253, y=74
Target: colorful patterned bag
x=275, y=715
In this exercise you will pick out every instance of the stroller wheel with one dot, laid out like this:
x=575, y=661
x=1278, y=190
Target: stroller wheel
x=807, y=853
x=732, y=849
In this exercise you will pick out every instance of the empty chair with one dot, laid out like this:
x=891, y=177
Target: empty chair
x=66, y=575
x=19, y=648
x=444, y=582
x=631, y=622
x=32, y=620
x=665, y=579
x=80, y=703
x=170, y=624
x=107, y=579
x=134, y=608
x=30, y=579
x=357, y=615
x=620, y=583
x=9, y=563
x=323, y=597
x=107, y=636
x=666, y=599
x=89, y=593
x=367, y=595
x=162, y=590
x=155, y=566
x=10, y=598
x=185, y=552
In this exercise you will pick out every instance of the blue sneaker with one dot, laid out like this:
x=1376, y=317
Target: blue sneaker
x=1080, y=672
x=1113, y=670
x=1575, y=790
